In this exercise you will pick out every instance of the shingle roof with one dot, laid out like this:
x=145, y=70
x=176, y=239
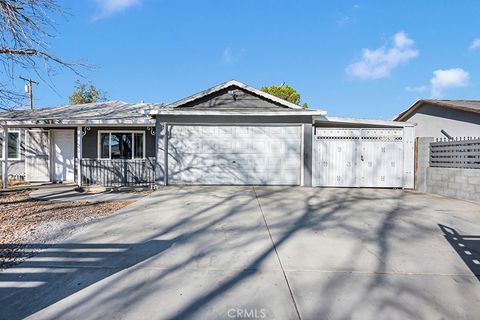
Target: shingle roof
x=122, y=112
x=464, y=105
x=470, y=104
x=110, y=110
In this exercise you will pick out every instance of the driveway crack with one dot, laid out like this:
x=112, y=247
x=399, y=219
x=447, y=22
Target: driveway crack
x=278, y=256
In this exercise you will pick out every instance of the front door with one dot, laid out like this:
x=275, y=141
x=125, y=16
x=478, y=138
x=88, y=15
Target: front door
x=63, y=161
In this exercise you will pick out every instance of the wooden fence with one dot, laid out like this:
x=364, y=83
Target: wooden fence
x=455, y=153
x=118, y=172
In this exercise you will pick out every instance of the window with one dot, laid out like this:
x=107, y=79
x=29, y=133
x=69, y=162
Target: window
x=13, y=146
x=138, y=143
x=104, y=145
x=121, y=145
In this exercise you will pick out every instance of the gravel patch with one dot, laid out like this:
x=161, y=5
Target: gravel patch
x=26, y=224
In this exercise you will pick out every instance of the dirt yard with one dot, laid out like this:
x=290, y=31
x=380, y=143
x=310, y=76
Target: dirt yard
x=25, y=221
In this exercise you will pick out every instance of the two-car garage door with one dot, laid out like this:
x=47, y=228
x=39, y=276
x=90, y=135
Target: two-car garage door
x=235, y=155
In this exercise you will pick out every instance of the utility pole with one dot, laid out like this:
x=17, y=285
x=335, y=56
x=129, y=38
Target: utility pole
x=29, y=89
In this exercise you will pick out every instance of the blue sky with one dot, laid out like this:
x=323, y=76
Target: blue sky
x=369, y=59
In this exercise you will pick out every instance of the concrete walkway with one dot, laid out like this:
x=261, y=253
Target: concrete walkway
x=62, y=192
x=263, y=252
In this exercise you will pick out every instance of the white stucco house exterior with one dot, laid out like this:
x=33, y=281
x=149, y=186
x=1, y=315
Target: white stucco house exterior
x=230, y=134
x=457, y=118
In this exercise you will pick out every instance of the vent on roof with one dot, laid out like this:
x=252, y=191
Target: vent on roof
x=234, y=94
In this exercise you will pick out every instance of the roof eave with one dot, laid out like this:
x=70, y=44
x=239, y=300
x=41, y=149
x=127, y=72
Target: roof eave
x=81, y=122
x=369, y=122
x=405, y=115
x=227, y=113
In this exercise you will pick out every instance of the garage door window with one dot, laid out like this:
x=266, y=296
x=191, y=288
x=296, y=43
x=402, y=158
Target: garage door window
x=121, y=145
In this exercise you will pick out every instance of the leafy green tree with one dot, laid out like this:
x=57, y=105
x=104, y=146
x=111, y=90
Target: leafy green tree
x=285, y=92
x=86, y=93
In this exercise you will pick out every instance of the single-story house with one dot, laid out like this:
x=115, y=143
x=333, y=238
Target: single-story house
x=457, y=118
x=45, y=144
x=230, y=134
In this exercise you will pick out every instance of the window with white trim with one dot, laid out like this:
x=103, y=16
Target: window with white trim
x=13, y=146
x=121, y=144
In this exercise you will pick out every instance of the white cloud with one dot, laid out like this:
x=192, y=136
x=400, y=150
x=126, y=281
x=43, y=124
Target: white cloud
x=110, y=7
x=401, y=40
x=420, y=89
x=443, y=80
x=450, y=78
x=230, y=56
x=475, y=44
x=379, y=63
x=343, y=21
x=349, y=17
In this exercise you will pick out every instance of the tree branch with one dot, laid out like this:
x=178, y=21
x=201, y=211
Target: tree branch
x=19, y=51
x=25, y=27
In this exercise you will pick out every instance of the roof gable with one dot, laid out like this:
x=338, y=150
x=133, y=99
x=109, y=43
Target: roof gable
x=232, y=98
x=462, y=105
x=232, y=94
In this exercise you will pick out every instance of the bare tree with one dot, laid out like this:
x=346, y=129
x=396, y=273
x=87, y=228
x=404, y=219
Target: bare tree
x=26, y=26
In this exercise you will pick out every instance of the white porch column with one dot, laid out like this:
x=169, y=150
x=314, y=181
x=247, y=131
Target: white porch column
x=165, y=154
x=79, y=155
x=5, y=157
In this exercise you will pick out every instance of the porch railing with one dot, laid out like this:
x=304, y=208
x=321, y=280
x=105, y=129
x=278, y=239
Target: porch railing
x=457, y=153
x=118, y=172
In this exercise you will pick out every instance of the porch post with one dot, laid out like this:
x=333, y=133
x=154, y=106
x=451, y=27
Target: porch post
x=165, y=154
x=5, y=158
x=79, y=155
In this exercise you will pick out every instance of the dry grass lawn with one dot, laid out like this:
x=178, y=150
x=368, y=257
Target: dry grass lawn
x=20, y=216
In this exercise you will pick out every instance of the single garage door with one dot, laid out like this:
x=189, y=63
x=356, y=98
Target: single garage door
x=358, y=158
x=234, y=155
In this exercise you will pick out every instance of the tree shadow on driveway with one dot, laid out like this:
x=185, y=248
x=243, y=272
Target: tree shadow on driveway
x=211, y=230
x=61, y=270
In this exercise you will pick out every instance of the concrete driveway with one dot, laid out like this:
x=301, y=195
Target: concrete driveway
x=260, y=253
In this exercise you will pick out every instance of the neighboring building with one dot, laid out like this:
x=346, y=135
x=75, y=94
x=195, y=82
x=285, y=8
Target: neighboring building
x=458, y=118
x=230, y=134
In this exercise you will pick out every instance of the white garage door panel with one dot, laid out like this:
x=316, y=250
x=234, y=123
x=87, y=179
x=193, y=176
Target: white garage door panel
x=382, y=164
x=358, y=158
x=235, y=155
x=336, y=162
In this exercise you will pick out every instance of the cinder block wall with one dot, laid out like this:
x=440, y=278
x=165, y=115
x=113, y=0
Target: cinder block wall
x=456, y=183
x=451, y=182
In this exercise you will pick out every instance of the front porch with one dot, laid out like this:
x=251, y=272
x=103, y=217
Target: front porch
x=118, y=172
x=110, y=156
